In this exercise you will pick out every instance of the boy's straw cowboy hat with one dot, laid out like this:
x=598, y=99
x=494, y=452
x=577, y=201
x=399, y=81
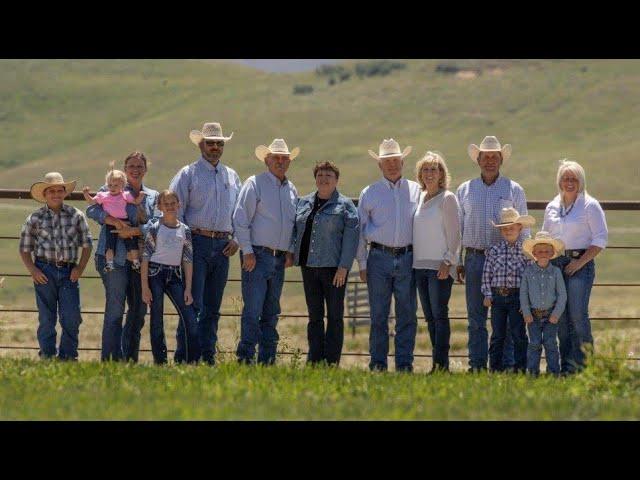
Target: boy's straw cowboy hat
x=543, y=237
x=278, y=147
x=509, y=216
x=489, y=144
x=390, y=148
x=210, y=131
x=51, y=179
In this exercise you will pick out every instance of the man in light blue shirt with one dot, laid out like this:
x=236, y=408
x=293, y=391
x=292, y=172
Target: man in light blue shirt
x=481, y=201
x=208, y=191
x=263, y=221
x=386, y=211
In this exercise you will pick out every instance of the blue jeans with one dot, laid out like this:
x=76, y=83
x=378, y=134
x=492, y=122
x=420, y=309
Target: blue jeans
x=386, y=275
x=261, y=290
x=506, y=320
x=574, y=327
x=61, y=295
x=122, y=283
x=166, y=279
x=210, y=271
x=434, y=297
x=477, y=316
x=543, y=332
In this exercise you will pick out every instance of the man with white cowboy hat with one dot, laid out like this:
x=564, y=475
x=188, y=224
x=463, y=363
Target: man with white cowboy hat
x=52, y=235
x=263, y=221
x=386, y=211
x=208, y=190
x=481, y=201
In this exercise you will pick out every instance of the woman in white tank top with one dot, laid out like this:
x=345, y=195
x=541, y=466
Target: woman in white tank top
x=436, y=248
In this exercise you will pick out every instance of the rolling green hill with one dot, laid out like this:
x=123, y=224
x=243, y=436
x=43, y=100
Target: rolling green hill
x=77, y=116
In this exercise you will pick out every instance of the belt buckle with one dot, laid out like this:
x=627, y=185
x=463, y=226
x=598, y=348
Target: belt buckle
x=503, y=291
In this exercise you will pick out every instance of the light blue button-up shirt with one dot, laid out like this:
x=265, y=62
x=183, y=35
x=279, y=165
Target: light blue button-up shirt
x=207, y=195
x=265, y=213
x=542, y=288
x=481, y=203
x=386, y=215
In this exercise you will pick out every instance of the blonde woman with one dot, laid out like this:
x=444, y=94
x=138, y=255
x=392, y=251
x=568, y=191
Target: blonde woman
x=436, y=244
x=576, y=218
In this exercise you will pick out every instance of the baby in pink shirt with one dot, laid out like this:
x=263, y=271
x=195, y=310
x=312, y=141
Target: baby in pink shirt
x=114, y=202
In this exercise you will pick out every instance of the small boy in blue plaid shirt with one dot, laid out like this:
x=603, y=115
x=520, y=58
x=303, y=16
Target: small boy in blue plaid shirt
x=501, y=278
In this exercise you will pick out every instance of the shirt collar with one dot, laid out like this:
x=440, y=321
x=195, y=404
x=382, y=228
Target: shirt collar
x=392, y=185
x=538, y=267
x=517, y=245
x=64, y=209
x=498, y=179
x=276, y=181
x=208, y=165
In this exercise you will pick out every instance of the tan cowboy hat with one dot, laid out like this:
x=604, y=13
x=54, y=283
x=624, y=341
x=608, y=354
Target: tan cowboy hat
x=509, y=216
x=279, y=147
x=390, y=148
x=210, y=131
x=50, y=179
x=489, y=144
x=543, y=237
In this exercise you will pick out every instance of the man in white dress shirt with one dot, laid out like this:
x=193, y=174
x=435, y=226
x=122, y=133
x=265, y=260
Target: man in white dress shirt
x=386, y=211
x=263, y=221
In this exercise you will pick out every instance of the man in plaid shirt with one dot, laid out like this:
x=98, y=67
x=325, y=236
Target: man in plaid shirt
x=51, y=236
x=501, y=277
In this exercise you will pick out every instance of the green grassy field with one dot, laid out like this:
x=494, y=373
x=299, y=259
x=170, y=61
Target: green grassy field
x=30, y=390
x=77, y=116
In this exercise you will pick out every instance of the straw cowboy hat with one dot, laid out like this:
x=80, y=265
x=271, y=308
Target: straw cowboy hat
x=390, y=148
x=509, y=216
x=489, y=144
x=210, y=131
x=278, y=147
x=50, y=179
x=543, y=238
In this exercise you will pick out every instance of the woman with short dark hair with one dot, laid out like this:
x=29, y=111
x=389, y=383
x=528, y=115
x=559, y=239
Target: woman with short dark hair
x=325, y=239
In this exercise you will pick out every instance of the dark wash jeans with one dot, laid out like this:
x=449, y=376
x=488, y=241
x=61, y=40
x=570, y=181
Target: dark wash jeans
x=477, y=315
x=166, y=279
x=434, y=297
x=543, y=332
x=505, y=318
x=261, y=290
x=210, y=272
x=61, y=295
x=574, y=327
x=318, y=290
x=122, y=283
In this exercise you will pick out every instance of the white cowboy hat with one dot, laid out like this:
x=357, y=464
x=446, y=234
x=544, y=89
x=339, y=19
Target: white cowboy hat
x=543, y=237
x=509, y=216
x=489, y=144
x=50, y=179
x=390, y=148
x=279, y=147
x=210, y=131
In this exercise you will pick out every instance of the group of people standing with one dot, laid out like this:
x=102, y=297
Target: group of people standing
x=410, y=239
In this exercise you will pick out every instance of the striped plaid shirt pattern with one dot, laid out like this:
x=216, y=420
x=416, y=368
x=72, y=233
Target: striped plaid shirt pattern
x=503, y=267
x=55, y=236
x=480, y=203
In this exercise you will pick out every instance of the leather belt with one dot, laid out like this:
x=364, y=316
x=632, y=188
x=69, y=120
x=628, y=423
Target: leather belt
x=504, y=291
x=540, y=313
x=395, y=251
x=479, y=251
x=212, y=233
x=271, y=251
x=55, y=262
x=574, y=253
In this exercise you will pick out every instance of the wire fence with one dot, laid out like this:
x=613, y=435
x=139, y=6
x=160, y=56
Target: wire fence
x=532, y=205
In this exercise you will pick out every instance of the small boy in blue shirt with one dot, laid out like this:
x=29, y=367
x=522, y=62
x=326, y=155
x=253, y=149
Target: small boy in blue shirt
x=543, y=297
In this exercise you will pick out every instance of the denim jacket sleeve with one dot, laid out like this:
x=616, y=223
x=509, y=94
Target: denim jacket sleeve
x=351, y=235
x=525, y=306
x=95, y=212
x=294, y=232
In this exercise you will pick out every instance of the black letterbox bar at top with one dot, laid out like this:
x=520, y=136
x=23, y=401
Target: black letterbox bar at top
x=531, y=204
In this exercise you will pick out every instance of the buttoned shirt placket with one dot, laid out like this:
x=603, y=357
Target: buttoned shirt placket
x=396, y=198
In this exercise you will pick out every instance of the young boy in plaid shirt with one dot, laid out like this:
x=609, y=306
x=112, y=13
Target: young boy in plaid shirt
x=53, y=234
x=501, y=278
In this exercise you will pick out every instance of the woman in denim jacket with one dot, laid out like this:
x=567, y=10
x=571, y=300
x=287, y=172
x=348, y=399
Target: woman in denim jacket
x=324, y=241
x=123, y=283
